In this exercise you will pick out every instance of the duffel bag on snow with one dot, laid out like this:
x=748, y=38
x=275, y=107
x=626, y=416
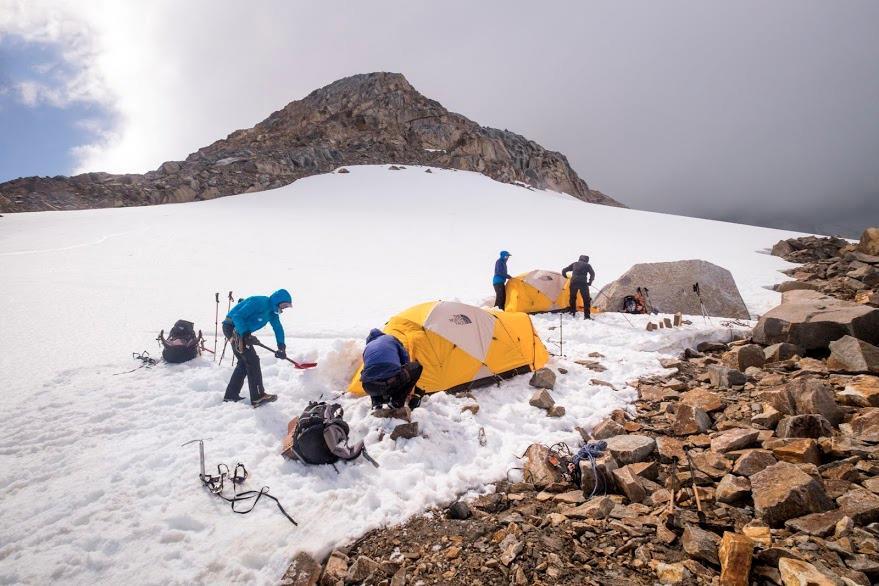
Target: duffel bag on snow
x=320, y=436
x=181, y=345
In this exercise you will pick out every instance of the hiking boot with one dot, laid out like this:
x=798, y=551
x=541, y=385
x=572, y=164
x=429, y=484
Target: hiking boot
x=232, y=400
x=587, y=316
x=264, y=398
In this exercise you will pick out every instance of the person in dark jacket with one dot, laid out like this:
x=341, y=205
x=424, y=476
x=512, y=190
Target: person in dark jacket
x=388, y=375
x=582, y=276
x=245, y=318
x=500, y=279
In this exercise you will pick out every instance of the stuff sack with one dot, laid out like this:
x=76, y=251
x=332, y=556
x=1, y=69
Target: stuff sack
x=181, y=345
x=320, y=436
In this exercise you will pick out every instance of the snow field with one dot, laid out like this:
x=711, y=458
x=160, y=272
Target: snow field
x=99, y=488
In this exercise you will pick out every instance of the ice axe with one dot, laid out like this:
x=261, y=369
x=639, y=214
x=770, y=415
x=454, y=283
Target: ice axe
x=299, y=365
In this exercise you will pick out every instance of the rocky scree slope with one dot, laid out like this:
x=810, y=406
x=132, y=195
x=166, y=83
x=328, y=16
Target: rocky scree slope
x=365, y=119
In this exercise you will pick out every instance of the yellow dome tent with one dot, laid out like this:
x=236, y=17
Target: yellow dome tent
x=539, y=291
x=461, y=346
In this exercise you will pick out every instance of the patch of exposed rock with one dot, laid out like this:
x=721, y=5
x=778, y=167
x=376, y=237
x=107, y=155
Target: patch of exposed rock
x=367, y=119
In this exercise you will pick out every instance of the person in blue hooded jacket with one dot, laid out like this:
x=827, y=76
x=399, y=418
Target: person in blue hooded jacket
x=500, y=279
x=242, y=320
x=388, y=375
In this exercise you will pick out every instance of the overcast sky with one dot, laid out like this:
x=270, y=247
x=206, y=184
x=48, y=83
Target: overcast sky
x=753, y=111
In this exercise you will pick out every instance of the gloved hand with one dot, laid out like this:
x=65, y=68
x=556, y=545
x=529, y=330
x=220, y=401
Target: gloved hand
x=282, y=352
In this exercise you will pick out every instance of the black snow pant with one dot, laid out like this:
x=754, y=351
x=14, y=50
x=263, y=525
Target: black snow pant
x=500, y=295
x=247, y=367
x=583, y=289
x=396, y=389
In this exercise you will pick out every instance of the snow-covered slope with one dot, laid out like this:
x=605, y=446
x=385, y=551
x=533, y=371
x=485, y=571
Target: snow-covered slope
x=97, y=486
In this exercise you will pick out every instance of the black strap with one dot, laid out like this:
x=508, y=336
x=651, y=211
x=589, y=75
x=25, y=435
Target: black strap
x=215, y=485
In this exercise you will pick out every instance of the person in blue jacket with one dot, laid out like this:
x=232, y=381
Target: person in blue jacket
x=245, y=318
x=500, y=279
x=388, y=375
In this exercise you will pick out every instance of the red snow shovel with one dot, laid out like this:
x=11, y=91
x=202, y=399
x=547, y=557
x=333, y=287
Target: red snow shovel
x=299, y=365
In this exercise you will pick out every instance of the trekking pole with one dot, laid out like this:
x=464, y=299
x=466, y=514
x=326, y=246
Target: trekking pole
x=226, y=342
x=299, y=365
x=698, y=293
x=652, y=309
x=216, y=323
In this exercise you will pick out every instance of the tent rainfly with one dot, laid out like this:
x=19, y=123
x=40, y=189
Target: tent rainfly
x=538, y=292
x=461, y=346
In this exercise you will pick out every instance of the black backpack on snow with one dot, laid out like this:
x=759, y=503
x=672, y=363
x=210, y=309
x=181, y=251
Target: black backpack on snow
x=181, y=345
x=308, y=443
x=630, y=305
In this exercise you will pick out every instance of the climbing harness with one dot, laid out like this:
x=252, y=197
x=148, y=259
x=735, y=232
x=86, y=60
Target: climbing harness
x=216, y=484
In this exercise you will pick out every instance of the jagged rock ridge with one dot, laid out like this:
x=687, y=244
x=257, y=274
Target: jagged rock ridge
x=373, y=118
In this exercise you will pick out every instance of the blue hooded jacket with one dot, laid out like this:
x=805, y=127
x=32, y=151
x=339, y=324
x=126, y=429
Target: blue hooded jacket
x=500, y=271
x=255, y=312
x=383, y=357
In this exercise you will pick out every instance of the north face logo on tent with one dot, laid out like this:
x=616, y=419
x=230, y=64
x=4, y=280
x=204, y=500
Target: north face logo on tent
x=460, y=319
x=546, y=278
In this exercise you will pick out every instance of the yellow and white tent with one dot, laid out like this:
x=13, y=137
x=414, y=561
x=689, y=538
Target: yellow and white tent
x=461, y=346
x=539, y=291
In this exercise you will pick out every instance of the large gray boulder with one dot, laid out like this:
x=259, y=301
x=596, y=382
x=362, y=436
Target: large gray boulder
x=670, y=285
x=812, y=320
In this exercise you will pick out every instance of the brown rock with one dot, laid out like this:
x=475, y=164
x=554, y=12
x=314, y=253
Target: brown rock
x=812, y=396
x=607, y=428
x=543, y=378
x=800, y=573
x=811, y=425
x=362, y=569
x=848, y=354
x=595, y=508
x=743, y=357
x=628, y=449
x=670, y=449
x=724, y=378
x=783, y=491
x=734, y=439
x=759, y=532
x=794, y=451
x=703, y=399
x=405, y=431
x=781, y=351
x=542, y=400
x=861, y=391
x=869, y=243
x=655, y=393
x=768, y=417
x=672, y=573
x=865, y=425
x=630, y=484
x=335, y=569
x=701, y=544
x=304, y=571
x=817, y=524
x=735, y=553
x=812, y=320
x=690, y=420
x=753, y=461
x=556, y=411
x=861, y=505
x=732, y=489
x=537, y=468
x=780, y=399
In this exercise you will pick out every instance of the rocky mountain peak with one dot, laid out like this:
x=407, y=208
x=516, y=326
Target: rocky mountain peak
x=371, y=118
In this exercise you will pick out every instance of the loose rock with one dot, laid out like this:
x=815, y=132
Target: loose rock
x=783, y=492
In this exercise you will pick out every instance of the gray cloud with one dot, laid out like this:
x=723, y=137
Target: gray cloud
x=751, y=111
